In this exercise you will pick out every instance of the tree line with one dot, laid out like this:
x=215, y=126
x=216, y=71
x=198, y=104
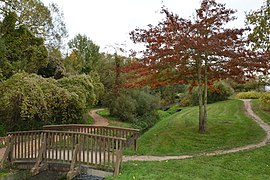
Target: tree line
x=184, y=59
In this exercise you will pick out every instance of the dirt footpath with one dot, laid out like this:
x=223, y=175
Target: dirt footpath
x=98, y=120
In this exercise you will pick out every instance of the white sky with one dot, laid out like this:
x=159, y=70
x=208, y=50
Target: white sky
x=108, y=22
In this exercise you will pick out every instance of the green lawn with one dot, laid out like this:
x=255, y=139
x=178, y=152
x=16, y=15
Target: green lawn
x=178, y=134
x=261, y=113
x=254, y=164
x=113, y=121
x=87, y=119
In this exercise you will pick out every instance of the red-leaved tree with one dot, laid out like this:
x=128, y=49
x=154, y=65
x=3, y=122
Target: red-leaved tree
x=198, y=51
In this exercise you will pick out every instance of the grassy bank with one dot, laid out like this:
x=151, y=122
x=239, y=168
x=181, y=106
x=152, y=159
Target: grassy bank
x=261, y=113
x=252, y=164
x=113, y=121
x=178, y=134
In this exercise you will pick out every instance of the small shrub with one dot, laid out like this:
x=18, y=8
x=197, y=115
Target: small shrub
x=265, y=101
x=185, y=101
x=146, y=121
x=249, y=95
x=219, y=91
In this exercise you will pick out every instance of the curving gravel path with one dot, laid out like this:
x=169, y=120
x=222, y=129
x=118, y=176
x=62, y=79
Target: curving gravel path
x=99, y=120
x=249, y=112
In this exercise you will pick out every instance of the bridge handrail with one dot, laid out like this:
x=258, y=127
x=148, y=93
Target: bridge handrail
x=66, y=132
x=89, y=126
x=95, y=150
x=130, y=134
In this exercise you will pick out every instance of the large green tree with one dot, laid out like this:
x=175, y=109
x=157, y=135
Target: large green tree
x=44, y=21
x=20, y=50
x=55, y=67
x=259, y=21
x=84, y=56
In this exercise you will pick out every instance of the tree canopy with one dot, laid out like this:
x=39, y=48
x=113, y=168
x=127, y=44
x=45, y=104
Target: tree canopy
x=21, y=50
x=43, y=21
x=84, y=56
x=182, y=51
x=259, y=21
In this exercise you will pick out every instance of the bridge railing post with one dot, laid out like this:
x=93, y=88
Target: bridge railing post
x=76, y=159
x=8, y=155
x=38, y=167
x=118, y=162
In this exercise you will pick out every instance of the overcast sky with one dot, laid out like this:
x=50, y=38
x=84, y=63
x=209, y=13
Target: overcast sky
x=108, y=22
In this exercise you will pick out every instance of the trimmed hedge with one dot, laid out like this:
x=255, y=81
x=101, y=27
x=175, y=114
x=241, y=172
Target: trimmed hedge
x=249, y=95
x=265, y=101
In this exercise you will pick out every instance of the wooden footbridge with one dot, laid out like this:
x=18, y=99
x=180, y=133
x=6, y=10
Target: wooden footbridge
x=73, y=145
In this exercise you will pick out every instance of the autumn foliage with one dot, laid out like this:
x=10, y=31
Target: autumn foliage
x=198, y=51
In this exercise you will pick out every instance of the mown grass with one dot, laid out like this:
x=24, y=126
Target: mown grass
x=87, y=119
x=265, y=115
x=253, y=164
x=172, y=110
x=178, y=134
x=113, y=121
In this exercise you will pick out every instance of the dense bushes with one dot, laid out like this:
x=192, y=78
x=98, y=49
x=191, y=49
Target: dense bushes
x=249, y=95
x=169, y=94
x=219, y=91
x=265, y=101
x=124, y=107
x=136, y=106
x=251, y=85
x=29, y=101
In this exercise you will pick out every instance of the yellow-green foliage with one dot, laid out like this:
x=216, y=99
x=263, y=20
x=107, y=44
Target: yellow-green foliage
x=185, y=101
x=265, y=101
x=249, y=95
x=29, y=101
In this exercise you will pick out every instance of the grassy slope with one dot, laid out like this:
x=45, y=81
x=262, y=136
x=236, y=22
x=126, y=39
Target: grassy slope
x=112, y=120
x=178, y=134
x=261, y=113
x=253, y=164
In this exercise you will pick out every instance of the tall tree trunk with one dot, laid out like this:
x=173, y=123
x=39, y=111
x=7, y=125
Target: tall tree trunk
x=200, y=95
x=205, y=96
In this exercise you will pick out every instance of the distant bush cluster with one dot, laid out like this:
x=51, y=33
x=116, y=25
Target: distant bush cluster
x=29, y=101
x=136, y=106
x=249, y=95
x=219, y=91
x=264, y=98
